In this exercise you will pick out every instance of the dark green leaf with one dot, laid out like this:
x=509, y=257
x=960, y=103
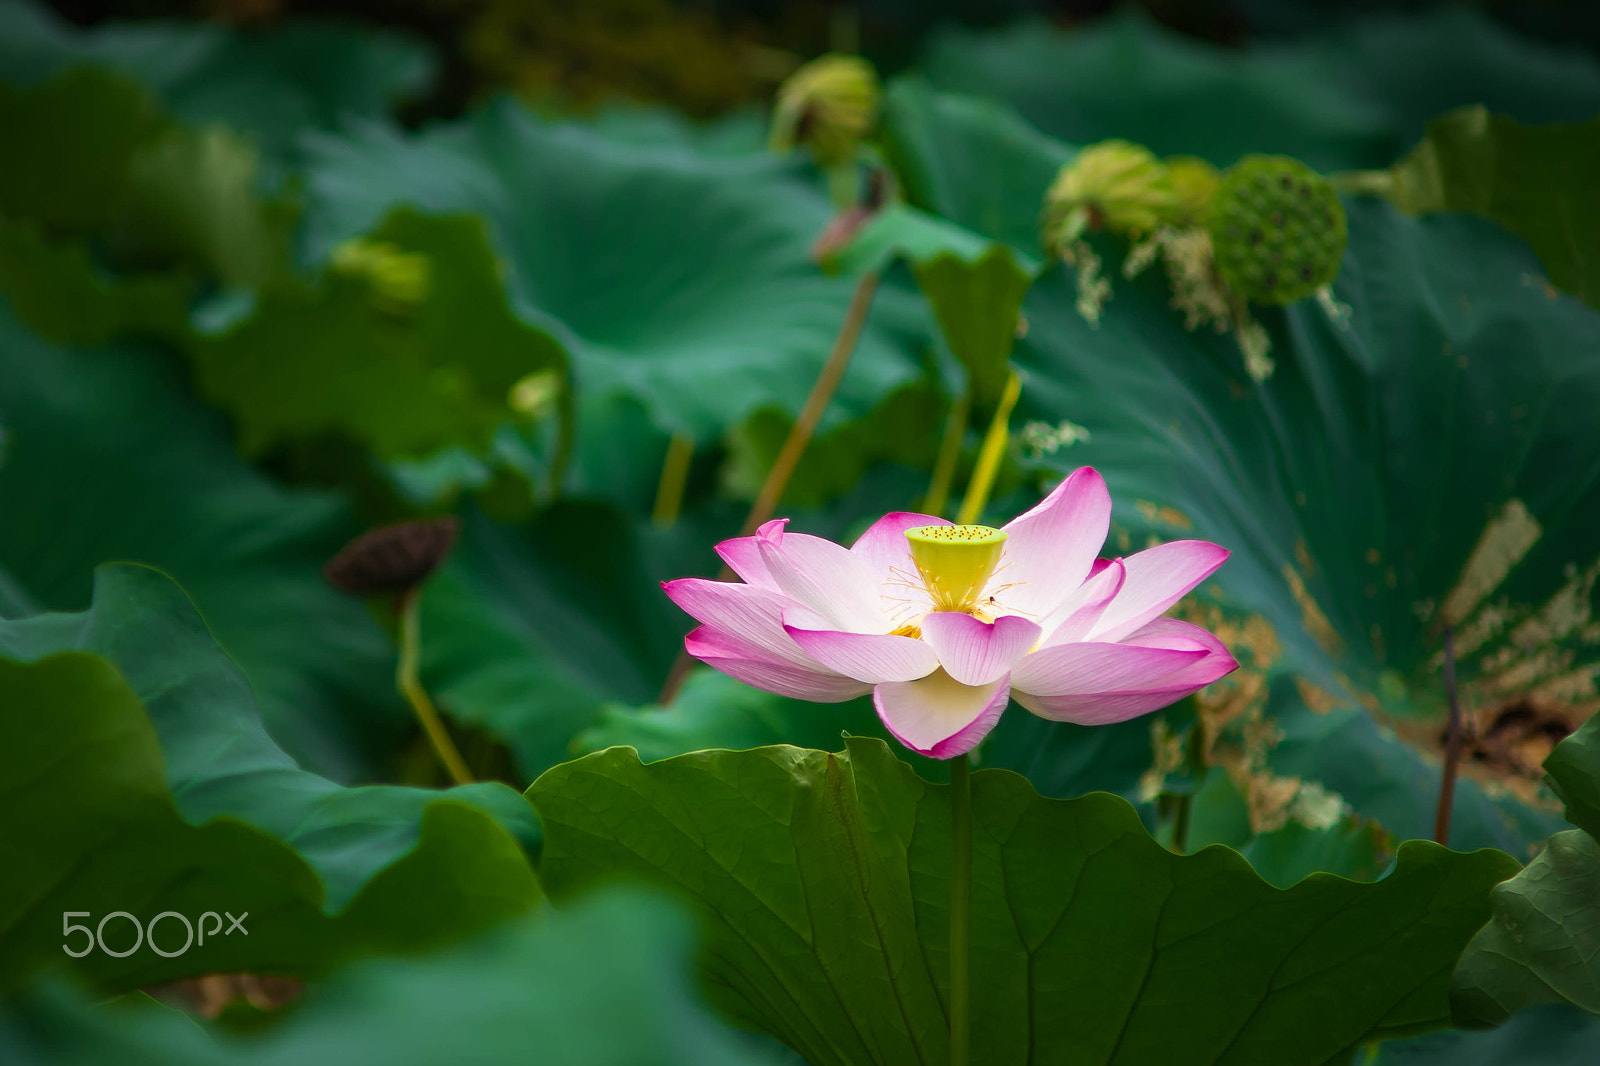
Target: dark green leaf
x=406, y=345
x=661, y=269
x=824, y=880
x=58, y=290
x=977, y=306
x=973, y=162
x=162, y=792
x=1356, y=98
x=602, y=983
x=1353, y=488
x=1543, y=943
x=1535, y=181
x=153, y=194
x=109, y=457
x=271, y=84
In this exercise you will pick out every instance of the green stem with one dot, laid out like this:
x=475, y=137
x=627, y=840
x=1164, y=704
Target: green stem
x=990, y=454
x=960, y=910
x=411, y=688
x=1180, y=823
x=566, y=436
x=1452, y=750
x=674, y=476
x=944, y=467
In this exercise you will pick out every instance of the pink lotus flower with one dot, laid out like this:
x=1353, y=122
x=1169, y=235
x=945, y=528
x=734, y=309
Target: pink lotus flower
x=945, y=624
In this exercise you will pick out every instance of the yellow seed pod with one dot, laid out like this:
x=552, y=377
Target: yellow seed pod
x=1194, y=182
x=829, y=105
x=1114, y=185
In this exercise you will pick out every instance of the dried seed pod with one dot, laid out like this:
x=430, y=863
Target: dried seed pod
x=829, y=105
x=394, y=558
x=1277, y=229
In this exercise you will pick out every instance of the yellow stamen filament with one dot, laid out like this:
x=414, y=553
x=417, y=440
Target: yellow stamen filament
x=955, y=562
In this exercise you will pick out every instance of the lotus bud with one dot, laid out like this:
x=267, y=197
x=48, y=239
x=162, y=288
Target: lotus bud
x=830, y=105
x=1277, y=229
x=1194, y=183
x=1113, y=185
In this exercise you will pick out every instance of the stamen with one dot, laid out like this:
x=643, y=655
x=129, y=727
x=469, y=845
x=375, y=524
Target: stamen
x=955, y=562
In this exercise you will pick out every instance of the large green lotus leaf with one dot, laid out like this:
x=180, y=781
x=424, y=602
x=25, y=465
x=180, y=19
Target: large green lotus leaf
x=1356, y=99
x=109, y=457
x=403, y=365
x=1531, y=180
x=1543, y=943
x=1130, y=78
x=1354, y=486
x=272, y=84
x=152, y=194
x=715, y=711
x=1539, y=1036
x=971, y=161
x=1574, y=771
x=664, y=270
x=529, y=629
x=605, y=982
x=137, y=777
x=1398, y=469
x=824, y=883
x=58, y=290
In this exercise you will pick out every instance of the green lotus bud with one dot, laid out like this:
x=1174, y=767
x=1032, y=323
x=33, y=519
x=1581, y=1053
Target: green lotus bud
x=1194, y=183
x=829, y=105
x=1277, y=229
x=1113, y=185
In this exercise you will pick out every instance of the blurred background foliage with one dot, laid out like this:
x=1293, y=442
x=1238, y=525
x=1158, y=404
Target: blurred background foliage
x=274, y=272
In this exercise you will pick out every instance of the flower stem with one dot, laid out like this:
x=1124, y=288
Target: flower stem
x=944, y=467
x=674, y=476
x=960, y=910
x=990, y=454
x=1452, y=746
x=789, y=455
x=816, y=403
x=1180, y=823
x=566, y=437
x=411, y=688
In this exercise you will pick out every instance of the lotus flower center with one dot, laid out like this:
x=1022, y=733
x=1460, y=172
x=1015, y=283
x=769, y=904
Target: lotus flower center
x=955, y=562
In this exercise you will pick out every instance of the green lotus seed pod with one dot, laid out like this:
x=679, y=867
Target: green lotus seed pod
x=829, y=105
x=1113, y=185
x=1194, y=183
x=1277, y=229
